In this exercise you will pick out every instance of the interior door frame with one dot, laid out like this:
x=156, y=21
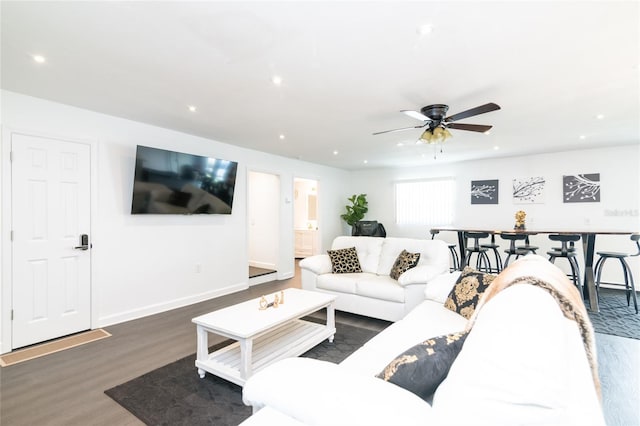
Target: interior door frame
x=318, y=204
x=6, y=281
x=278, y=207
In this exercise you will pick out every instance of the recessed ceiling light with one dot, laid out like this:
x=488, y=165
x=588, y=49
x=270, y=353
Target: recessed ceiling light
x=277, y=80
x=365, y=161
x=192, y=108
x=424, y=29
x=488, y=132
x=335, y=152
x=582, y=137
x=399, y=144
x=600, y=116
x=39, y=59
x=281, y=136
x=495, y=148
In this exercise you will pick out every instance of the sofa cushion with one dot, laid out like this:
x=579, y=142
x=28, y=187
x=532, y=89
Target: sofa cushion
x=426, y=320
x=318, y=392
x=467, y=291
x=344, y=261
x=379, y=287
x=403, y=263
x=342, y=283
x=421, y=368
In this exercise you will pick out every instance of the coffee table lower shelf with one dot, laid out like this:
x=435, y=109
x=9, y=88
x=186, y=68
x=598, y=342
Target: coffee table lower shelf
x=291, y=339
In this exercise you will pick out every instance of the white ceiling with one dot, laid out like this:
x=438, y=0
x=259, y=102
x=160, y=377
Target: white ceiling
x=347, y=69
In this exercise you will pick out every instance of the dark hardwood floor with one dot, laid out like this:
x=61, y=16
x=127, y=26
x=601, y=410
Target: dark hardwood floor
x=67, y=388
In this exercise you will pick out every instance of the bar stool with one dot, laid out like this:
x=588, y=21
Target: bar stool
x=454, y=254
x=513, y=250
x=496, y=254
x=528, y=246
x=482, y=260
x=628, y=276
x=567, y=252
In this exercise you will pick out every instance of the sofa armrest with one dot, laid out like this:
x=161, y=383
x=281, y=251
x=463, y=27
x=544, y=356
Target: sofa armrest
x=439, y=288
x=421, y=274
x=322, y=393
x=318, y=264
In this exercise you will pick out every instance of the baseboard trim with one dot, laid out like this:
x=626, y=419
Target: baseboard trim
x=263, y=265
x=261, y=279
x=174, y=304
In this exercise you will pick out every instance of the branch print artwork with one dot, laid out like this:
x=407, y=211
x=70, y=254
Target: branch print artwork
x=581, y=188
x=484, y=191
x=528, y=190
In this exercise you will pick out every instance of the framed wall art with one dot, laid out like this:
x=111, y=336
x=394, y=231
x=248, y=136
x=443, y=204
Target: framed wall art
x=529, y=190
x=484, y=191
x=581, y=188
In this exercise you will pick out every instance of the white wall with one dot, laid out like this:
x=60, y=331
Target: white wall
x=143, y=264
x=147, y=264
x=618, y=209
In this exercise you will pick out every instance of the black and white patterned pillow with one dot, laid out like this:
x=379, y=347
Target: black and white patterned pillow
x=421, y=368
x=403, y=263
x=344, y=261
x=467, y=291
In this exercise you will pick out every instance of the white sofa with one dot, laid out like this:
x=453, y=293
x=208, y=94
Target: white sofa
x=373, y=292
x=523, y=362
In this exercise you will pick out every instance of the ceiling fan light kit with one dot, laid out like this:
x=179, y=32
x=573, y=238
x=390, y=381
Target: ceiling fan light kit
x=438, y=124
x=439, y=134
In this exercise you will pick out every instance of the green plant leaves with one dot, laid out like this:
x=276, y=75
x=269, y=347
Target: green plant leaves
x=356, y=210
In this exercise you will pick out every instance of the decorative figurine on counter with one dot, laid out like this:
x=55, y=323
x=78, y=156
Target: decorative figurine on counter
x=520, y=216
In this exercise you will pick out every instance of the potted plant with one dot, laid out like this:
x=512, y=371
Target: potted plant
x=355, y=210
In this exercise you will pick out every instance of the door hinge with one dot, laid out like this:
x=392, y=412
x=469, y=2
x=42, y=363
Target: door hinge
x=12, y=315
x=12, y=235
x=11, y=156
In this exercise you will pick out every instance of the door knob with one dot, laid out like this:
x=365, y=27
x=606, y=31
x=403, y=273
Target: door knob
x=84, y=242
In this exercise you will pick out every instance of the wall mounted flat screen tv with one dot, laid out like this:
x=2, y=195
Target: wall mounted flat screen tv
x=170, y=182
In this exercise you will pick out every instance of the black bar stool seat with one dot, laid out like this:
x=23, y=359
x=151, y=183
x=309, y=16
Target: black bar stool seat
x=514, y=250
x=528, y=247
x=629, y=286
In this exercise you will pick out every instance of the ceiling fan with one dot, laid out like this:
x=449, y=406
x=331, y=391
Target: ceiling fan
x=437, y=123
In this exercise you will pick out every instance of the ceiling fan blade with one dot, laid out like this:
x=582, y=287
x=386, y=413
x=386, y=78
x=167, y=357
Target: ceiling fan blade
x=472, y=127
x=473, y=111
x=399, y=130
x=415, y=114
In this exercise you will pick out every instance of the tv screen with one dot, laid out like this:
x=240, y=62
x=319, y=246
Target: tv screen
x=169, y=182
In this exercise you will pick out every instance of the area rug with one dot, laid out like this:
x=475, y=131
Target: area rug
x=53, y=346
x=176, y=395
x=615, y=317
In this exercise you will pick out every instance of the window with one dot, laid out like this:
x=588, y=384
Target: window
x=426, y=202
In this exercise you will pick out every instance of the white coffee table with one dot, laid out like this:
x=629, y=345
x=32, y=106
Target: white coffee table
x=263, y=336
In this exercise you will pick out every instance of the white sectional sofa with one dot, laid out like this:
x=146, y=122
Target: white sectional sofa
x=373, y=292
x=523, y=362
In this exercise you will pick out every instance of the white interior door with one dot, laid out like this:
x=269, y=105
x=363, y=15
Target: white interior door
x=51, y=210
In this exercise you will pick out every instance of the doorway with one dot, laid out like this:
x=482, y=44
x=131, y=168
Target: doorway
x=263, y=214
x=50, y=247
x=305, y=217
